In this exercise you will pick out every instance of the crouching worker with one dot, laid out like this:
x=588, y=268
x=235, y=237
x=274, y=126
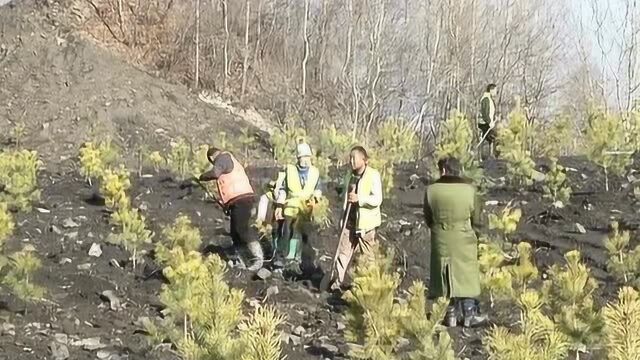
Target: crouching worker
x=265, y=217
x=452, y=212
x=236, y=198
x=301, y=186
x=362, y=188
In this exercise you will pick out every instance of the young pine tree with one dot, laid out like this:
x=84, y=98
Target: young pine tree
x=115, y=182
x=19, y=177
x=538, y=339
x=19, y=279
x=556, y=187
x=494, y=278
x=607, y=144
x=95, y=158
x=623, y=263
x=455, y=139
x=181, y=234
x=569, y=292
x=514, y=148
x=622, y=326
x=132, y=232
x=7, y=226
x=506, y=222
x=179, y=159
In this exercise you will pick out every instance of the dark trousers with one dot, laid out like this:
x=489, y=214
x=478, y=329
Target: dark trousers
x=240, y=214
x=487, y=133
x=288, y=228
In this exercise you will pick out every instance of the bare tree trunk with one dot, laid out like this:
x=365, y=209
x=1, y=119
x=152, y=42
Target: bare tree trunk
x=323, y=42
x=349, y=44
x=376, y=65
x=245, y=62
x=196, y=81
x=225, y=19
x=306, y=48
x=258, y=37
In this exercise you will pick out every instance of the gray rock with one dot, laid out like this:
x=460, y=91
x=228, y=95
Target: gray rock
x=84, y=266
x=7, y=329
x=72, y=235
x=329, y=348
x=56, y=230
x=263, y=274
x=341, y=326
x=402, y=342
x=580, y=229
x=114, y=301
x=95, y=250
x=92, y=344
x=59, y=351
x=61, y=338
x=69, y=223
x=299, y=330
x=295, y=340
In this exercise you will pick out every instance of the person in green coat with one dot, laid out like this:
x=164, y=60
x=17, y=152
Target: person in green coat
x=452, y=213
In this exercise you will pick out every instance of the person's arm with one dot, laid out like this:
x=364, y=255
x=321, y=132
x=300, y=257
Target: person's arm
x=281, y=197
x=476, y=214
x=375, y=198
x=485, y=110
x=426, y=208
x=221, y=165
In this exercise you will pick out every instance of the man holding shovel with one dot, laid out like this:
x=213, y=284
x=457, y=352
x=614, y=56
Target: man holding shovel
x=487, y=119
x=362, y=188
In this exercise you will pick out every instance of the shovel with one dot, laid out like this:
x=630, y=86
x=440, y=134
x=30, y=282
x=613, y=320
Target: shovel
x=328, y=276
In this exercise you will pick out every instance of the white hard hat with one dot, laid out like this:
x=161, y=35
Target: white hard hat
x=303, y=149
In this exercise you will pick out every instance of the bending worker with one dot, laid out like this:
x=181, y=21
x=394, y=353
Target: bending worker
x=452, y=212
x=299, y=190
x=362, y=189
x=236, y=198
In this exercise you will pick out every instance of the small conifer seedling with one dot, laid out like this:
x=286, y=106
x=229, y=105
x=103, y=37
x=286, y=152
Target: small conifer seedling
x=622, y=326
x=556, y=188
x=132, y=232
x=181, y=234
x=19, y=177
x=19, y=279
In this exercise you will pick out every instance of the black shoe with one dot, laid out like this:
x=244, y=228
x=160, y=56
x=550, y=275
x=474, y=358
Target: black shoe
x=450, y=318
x=471, y=314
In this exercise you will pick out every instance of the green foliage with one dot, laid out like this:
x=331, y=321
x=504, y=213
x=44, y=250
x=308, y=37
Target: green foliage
x=556, y=187
x=432, y=339
x=539, y=338
x=513, y=148
x=7, y=225
x=455, y=139
x=554, y=139
x=210, y=312
x=494, y=278
x=132, y=231
x=524, y=272
x=623, y=263
x=377, y=321
x=394, y=143
x=199, y=160
x=284, y=144
x=179, y=159
x=335, y=145
x=155, y=160
x=19, y=177
x=181, y=234
x=570, y=290
x=317, y=212
x=606, y=134
x=96, y=158
x=622, y=326
x=18, y=132
x=506, y=222
x=115, y=182
x=19, y=279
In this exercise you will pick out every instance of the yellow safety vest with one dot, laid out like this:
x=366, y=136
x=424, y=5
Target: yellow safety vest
x=369, y=217
x=296, y=193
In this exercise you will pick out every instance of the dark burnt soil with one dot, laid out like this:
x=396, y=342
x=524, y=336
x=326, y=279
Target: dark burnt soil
x=75, y=308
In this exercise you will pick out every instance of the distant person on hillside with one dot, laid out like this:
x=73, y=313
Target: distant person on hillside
x=452, y=212
x=487, y=119
x=300, y=187
x=236, y=198
x=267, y=207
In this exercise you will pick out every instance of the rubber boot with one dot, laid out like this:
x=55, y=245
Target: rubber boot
x=255, y=249
x=471, y=313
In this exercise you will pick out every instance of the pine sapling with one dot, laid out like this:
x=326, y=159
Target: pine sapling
x=513, y=148
x=524, y=272
x=155, y=160
x=570, y=290
x=262, y=337
x=623, y=263
x=7, y=225
x=19, y=279
x=115, y=182
x=506, y=222
x=19, y=177
x=556, y=187
x=622, y=326
x=132, y=232
x=95, y=158
x=494, y=278
x=179, y=159
x=181, y=234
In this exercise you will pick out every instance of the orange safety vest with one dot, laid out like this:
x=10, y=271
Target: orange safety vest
x=234, y=184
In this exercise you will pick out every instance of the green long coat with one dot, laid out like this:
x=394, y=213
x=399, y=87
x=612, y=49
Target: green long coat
x=452, y=212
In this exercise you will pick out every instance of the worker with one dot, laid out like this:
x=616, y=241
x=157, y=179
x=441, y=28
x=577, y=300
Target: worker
x=362, y=187
x=452, y=213
x=487, y=119
x=301, y=186
x=237, y=199
x=265, y=216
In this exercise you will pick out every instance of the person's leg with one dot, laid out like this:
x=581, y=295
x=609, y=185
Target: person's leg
x=345, y=253
x=451, y=316
x=471, y=313
x=241, y=218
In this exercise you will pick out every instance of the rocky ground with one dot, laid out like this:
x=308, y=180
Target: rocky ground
x=66, y=90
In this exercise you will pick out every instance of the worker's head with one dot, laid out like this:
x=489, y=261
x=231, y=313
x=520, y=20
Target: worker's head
x=449, y=166
x=492, y=89
x=303, y=153
x=358, y=158
x=212, y=153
